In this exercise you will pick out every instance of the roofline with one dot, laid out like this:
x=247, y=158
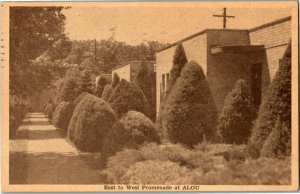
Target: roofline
x=195, y=35
x=119, y=66
x=249, y=30
x=271, y=23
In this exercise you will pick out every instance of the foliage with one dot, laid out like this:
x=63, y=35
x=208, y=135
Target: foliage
x=49, y=108
x=79, y=98
x=179, y=60
x=237, y=116
x=278, y=143
x=189, y=113
x=101, y=82
x=69, y=90
x=201, y=166
x=128, y=96
x=146, y=80
x=275, y=106
x=33, y=30
x=107, y=91
x=62, y=115
x=85, y=82
x=90, y=122
x=116, y=80
x=16, y=114
x=132, y=130
x=154, y=172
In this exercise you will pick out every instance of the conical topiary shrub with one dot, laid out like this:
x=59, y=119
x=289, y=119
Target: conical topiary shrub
x=237, y=116
x=128, y=96
x=189, y=113
x=108, y=89
x=276, y=105
x=90, y=122
x=131, y=131
x=62, y=114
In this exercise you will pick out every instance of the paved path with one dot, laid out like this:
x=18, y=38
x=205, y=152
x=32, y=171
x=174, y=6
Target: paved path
x=40, y=154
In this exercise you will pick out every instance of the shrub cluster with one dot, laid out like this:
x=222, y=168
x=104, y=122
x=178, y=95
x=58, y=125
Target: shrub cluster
x=16, y=115
x=189, y=113
x=62, y=114
x=131, y=131
x=174, y=164
x=90, y=122
x=237, y=116
x=128, y=96
x=275, y=106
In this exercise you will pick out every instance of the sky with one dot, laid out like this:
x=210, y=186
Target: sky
x=134, y=25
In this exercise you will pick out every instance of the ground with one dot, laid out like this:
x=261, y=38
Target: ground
x=41, y=154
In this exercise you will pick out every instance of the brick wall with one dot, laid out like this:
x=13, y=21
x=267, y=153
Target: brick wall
x=195, y=48
x=123, y=72
x=275, y=37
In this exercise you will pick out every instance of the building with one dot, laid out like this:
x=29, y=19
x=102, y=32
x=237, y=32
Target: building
x=227, y=55
x=129, y=70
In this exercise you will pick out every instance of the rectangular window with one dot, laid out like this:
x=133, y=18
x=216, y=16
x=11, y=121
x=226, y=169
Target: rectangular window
x=163, y=83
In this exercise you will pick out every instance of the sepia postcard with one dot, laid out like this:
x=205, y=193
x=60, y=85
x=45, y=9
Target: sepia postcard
x=149, y=96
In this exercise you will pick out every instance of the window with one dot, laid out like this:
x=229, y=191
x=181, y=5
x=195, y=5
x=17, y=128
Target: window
x=163, y=83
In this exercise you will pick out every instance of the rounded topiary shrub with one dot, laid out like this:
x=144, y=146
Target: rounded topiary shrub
x=132, y=130
x=276, y=105
x=90, y=122
x=128, y=96
x=62, y=114
x=79, y=98
x=107, y=92
x=189, y=113
x=237, y=115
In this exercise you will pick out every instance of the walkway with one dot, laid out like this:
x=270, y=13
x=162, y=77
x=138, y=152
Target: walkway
x=40, y=154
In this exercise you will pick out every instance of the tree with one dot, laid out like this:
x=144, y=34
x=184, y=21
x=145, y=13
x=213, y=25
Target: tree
x=237, y=116
x=69, y=90
x=33, y=30
x=116, y=80
x=179, y=60
x=85, y=83
x=189, y=113
x=276, y=105
x=128, y=96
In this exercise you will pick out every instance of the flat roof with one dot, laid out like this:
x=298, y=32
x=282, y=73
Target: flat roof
x=195, y=35
x=128, y=63
x=206, y=30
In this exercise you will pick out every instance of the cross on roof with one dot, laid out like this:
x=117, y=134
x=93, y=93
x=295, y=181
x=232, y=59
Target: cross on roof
x=224, y=16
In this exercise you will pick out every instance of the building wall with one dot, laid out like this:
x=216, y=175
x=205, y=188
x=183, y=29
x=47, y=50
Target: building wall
x=195, y=49
x=275, y=37
x=123, y=72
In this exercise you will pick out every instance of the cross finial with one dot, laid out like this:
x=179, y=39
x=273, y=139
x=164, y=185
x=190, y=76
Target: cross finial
x=224, y=16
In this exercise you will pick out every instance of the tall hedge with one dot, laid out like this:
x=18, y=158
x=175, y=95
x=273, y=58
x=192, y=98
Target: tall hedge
x=190, y=113
x=101, y=82
x=128, y=96
x=179, y=60
x=69, y=90
x=107, y=92
x=116, y=80
x=237, y=116
x=131, y=131
x=90, y=122
x=275, y=106
x=62, y=114
x=49, y=109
